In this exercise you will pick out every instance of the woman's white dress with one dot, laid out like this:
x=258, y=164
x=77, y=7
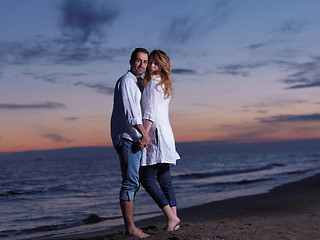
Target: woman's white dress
x=155, y=107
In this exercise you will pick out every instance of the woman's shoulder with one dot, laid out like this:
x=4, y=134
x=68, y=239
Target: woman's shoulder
x=156, y=78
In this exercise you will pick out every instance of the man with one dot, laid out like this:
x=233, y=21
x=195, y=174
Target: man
x=129, y=135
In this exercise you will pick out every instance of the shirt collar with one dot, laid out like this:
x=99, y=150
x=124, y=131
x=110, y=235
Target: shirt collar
x=132, y=75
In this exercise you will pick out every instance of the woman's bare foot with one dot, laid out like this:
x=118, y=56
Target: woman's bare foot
x=176, y=228
x=172, y=224
x=137, y=232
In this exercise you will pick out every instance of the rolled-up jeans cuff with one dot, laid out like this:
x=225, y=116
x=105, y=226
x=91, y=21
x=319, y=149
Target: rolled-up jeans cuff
x=173, y=203
x=127, y=195
x=163, y=203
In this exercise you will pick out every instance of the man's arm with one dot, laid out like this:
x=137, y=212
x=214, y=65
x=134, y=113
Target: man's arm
x=145, y=140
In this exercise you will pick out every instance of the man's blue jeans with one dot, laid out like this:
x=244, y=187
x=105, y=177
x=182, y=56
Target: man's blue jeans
x=162, y=192
x=130, y=155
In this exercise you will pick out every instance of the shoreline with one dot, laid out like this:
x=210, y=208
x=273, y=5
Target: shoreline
x=289, y=211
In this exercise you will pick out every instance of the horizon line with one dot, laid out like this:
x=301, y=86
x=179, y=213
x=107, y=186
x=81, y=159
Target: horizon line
x=208, y=142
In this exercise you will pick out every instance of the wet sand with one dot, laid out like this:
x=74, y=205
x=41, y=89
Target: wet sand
x=291, y=211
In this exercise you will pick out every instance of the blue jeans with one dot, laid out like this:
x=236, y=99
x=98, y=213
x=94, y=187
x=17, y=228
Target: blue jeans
x=130, y=155
x=162, y=192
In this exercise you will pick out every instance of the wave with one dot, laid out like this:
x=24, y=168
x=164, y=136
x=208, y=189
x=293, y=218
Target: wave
x=228, y=172
x=295, y=172
x=240, y=182
x=93, y=218
x=14, y=193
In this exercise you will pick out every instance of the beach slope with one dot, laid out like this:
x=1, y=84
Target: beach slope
x=291, y=211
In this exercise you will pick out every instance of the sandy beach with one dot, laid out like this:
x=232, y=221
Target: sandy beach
x=291, y=211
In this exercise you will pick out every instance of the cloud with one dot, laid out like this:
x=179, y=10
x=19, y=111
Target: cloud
x=240, y=69
x=84, y=20
x=256, y=46
x=57, y=138
x=280, y=34
x=100, y=88
x=84, y=26
x=290, y=118
x=184, y=28
x=70, y=119
x=274, y=103
x=181, y=29
x=305, y=75
x=44, y=105
x=42, y=50
x=182, y=71
x=290, y=27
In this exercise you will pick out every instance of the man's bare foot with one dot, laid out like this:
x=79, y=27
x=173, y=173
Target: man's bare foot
x=172, y=224
x=137, y=232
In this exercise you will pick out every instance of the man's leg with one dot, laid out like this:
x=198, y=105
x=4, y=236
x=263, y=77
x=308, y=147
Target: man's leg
x=127, y=213
x=130, y=163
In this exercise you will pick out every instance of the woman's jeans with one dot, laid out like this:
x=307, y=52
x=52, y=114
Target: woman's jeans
x=130, y=155
x=163, y=194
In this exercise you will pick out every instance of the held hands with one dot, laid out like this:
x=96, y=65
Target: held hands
x=144, y=141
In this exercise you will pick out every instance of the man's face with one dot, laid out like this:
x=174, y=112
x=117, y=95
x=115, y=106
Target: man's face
x=139, y=65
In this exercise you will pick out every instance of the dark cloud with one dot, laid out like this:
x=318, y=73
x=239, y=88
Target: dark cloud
x=234, y=69
x=181, y=29
x=182, y=71
x=240, y=69
x=84, y=20
x=44, y=105
x=84, y=26
x=290, y=27
x=22, y=52
x=57, y=138
x=263, y=107
x=70, y=119
x=100, y=88
x=47, y=51
x=280, y=34
x=305, y=74
x=306, y=85
x=256, y=46
x=184, y=28
x=274, y=103
x=290, y=118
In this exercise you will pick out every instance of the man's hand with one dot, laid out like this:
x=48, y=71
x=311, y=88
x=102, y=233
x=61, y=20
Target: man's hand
x=145, y=141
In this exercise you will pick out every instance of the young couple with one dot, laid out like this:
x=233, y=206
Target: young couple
x=142, y=135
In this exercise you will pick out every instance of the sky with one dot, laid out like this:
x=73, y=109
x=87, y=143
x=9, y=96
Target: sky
x=242, y=70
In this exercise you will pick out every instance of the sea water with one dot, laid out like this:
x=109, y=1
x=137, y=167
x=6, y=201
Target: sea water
x=63, y=196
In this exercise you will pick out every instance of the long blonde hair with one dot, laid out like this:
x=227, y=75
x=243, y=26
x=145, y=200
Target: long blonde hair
x=163, y=61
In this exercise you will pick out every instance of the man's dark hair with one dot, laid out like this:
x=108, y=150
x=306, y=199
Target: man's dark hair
x=136, y=51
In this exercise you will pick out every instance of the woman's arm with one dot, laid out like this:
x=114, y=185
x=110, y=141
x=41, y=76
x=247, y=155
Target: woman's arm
x=147, y=124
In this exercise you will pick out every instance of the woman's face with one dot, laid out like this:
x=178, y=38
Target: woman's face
x=153, y=65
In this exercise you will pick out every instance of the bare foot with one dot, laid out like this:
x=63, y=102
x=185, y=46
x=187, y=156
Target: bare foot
x=172, y=224
x=176, y=228
x=137, y=232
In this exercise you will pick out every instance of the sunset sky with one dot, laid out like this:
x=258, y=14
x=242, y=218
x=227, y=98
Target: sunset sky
x=243, y=70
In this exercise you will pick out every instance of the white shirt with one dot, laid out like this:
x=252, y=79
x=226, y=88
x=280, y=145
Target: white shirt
x=155, y=107
x=126, y=109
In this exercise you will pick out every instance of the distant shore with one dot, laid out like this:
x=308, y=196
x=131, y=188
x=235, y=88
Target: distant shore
x=291, y=211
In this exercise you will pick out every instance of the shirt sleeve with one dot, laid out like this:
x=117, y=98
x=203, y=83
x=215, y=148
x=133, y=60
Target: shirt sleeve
x=131, y=102
x=151, y=95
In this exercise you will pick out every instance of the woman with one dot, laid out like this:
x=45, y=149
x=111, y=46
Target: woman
x=161, y=152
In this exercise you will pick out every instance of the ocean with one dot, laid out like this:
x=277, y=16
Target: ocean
x=52, y=197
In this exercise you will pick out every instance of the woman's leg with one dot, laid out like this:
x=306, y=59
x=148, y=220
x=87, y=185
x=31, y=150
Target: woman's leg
x=164, y=179
x=148, y=181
